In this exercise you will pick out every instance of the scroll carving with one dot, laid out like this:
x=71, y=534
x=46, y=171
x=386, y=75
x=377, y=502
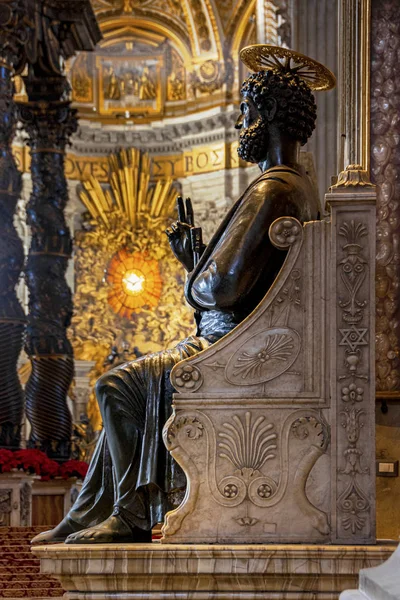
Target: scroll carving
x=248, y=464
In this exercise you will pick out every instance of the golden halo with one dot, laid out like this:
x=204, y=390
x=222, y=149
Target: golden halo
x=264, y=57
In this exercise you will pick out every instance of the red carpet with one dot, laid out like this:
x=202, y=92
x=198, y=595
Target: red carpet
x=19, y=571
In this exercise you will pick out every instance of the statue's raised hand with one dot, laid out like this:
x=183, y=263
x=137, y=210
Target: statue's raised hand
x=179, y=234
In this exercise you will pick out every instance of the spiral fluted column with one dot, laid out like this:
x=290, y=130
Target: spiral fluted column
x=14, y=30
x=49, y=124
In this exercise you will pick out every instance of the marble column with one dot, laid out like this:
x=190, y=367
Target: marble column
x=353, y=78
x=13, y=35
x=49, y=121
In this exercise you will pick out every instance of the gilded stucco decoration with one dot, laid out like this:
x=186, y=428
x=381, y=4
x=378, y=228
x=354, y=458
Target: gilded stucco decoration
x=161, y=58
x=82, y=83
x=123, y=244
x=385, y=153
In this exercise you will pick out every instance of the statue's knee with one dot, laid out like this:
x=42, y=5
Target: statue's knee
x=102, y=386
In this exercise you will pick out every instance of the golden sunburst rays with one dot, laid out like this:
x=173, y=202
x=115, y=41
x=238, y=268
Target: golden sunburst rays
x=135, y=282
x=266, y=57
x=130, y=191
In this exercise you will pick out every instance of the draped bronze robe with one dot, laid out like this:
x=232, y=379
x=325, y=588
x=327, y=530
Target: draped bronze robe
x=131, y=471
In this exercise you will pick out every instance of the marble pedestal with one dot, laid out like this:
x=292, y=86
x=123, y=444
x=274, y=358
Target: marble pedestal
x=207, y=572
x=16, y=499
x=378, y=583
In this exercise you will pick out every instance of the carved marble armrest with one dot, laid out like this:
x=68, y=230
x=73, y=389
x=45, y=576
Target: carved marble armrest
x=268, y=342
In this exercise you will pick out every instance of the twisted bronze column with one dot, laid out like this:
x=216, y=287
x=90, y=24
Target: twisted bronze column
x=14, y=29
x=49, y=121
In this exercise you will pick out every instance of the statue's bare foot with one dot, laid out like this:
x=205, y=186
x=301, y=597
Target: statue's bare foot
x=113, y=530
x=58, y=534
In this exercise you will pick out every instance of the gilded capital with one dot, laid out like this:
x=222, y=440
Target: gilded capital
x=353, y=176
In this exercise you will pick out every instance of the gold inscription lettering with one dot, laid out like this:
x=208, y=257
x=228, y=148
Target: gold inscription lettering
x=202, y=160
x=188, y=164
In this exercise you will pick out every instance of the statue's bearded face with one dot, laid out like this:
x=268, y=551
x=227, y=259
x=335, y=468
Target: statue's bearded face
x=253, y=139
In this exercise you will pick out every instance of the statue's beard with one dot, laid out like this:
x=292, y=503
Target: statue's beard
x=253, y=142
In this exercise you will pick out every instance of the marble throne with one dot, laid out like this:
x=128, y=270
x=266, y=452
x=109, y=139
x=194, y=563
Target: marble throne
x=274, y=428
x=274, y=424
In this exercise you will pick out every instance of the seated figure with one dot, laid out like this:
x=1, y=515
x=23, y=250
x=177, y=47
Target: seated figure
x=131, y=473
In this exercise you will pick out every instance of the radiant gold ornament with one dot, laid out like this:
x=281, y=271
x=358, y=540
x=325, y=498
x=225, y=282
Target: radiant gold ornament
x=265, y=57
x=131, y=194
x=128, y=283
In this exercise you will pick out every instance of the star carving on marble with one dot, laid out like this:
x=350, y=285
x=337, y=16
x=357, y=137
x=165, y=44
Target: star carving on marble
x=354, y=337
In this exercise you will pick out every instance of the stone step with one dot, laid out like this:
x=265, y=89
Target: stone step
x=26, y=577
x=24, y=537
x=10, y=554
x=14, y=544
x=28, y=593
x=378, y=583
x=37, y=528
x=18, y=563
x=4, y=570
x=27, y=584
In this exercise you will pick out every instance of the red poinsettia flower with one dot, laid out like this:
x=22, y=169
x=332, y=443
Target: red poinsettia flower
x=7, y=461
x=74, y=468
x=31, y=461
x=37, y=462
x=49, y=470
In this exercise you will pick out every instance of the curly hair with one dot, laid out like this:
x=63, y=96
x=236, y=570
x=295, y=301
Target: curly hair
x=297, y=111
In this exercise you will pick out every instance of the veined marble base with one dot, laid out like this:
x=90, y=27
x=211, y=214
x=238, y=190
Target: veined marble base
x=207, y=572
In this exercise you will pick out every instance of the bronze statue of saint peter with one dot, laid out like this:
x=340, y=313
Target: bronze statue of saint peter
x=131, y=474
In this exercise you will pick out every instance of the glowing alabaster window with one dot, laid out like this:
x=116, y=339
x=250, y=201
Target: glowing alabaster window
x=135, y=282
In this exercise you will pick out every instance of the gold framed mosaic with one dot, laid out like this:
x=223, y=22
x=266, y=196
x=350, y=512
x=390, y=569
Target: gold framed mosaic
x=130, y=85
